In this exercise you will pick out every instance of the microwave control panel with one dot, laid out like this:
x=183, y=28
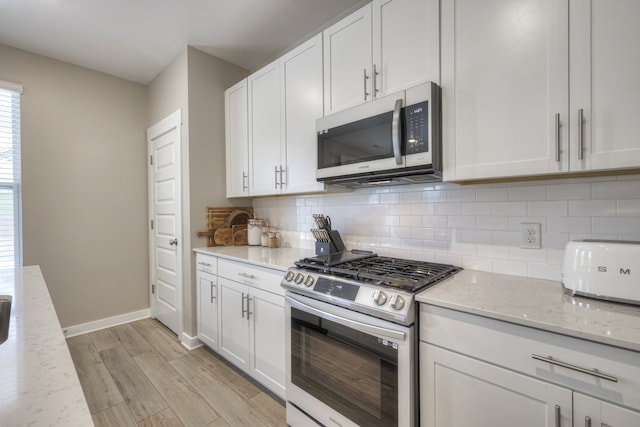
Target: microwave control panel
x=415, y=128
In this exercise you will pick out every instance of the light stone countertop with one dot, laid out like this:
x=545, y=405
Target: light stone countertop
x=539, y=304
x=276, y=258
x=39, y=385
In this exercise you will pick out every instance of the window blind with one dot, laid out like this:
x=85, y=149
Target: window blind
x=10, y=192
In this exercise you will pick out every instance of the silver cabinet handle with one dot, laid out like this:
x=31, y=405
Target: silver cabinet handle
x=395, y=132
x=249, y=313
x=248, y=276
x=587, y=422
x=593, y=372
x=558, y=415
x=557, y=129
x=206, y=264
x=580, y=134
x=212, y=296
x=242, y=302
x=364, y=80
x=375, y=79
x=275, y=176
x=245, y=179
x=282, y=170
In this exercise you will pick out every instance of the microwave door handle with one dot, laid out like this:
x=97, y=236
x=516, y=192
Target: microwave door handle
x=395, y=132
x=353, y=324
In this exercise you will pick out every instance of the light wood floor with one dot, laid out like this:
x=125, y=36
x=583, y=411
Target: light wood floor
x=138, y=374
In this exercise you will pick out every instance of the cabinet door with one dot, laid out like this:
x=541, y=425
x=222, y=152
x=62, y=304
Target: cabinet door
x=347, y=61
x=264, y=130
x=605, y=84
x=236, y=140
x=505, y=80
x=596, y=413
x=268, y=340
x=406, y=43
x=208, y=309
x=234, y=324
x=301, y=73
x=456, y=390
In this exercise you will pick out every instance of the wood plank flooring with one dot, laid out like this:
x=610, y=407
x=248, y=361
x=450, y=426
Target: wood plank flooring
x=139, y=375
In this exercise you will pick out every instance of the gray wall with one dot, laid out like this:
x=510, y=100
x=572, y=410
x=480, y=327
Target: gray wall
x=195, y=82
x=84, y=185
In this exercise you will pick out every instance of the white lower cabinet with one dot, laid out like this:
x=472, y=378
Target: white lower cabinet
x=207, y=295
x=476, y=371
x=250, y=327
x=462, y=391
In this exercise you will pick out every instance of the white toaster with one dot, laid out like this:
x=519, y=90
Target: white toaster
x=604, y=269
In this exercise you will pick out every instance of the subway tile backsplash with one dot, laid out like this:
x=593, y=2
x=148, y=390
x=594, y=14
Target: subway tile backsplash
x=474, y=226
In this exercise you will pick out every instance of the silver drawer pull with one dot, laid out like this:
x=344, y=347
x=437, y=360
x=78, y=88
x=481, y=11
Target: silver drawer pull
x=593, y=372
x=248, y=276
x=206, y=264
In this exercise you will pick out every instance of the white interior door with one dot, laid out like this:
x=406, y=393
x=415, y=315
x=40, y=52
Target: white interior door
x=165, y=208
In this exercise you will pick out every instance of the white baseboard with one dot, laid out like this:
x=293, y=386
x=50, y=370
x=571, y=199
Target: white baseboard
x=191, y=343
x=96, y=325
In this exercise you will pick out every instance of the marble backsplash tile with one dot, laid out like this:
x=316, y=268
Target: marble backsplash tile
x=474, y=226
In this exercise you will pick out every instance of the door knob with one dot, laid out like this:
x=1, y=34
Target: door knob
x=173, y=242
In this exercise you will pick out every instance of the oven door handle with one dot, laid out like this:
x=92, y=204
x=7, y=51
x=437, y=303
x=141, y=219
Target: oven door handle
x=353, y=324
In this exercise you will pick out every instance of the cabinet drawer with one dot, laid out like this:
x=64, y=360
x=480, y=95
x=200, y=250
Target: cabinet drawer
x=514, y=347
x=252, y=275
x=207, y=264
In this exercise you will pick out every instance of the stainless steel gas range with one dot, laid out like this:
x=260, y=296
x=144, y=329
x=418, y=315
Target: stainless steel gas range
x=352, y=338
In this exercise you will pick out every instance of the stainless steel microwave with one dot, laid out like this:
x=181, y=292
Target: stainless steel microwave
x=395, y=139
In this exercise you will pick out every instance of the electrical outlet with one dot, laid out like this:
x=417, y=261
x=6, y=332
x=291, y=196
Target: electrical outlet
x=530, y=235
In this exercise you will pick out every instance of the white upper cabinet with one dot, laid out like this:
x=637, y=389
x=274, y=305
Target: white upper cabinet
x=406, y=43
x=264, y=130
x=384, y=47
x=505, y=87
x=605, y=84
x=347, y=61
x=301, y=82
x=236, y=140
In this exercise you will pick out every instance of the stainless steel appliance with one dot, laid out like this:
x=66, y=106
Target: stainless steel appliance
x=603, y=269
x=395, y=139
x=352, y=338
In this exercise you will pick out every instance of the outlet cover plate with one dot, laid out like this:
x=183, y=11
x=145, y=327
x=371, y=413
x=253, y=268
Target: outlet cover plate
x=530, y=235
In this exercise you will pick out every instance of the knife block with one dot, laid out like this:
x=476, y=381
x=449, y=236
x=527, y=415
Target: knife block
x=335, y=245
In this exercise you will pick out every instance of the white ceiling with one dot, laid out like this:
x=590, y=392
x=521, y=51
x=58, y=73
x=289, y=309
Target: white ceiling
x=136, y=39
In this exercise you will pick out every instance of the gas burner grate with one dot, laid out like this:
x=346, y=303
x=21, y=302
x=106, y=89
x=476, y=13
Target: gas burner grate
x=409, y=275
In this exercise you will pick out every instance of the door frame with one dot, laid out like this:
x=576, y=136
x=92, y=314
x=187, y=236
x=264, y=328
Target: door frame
x=169, y=123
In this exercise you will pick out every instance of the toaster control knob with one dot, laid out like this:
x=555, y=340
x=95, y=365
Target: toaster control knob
x=289, y=276
x=299, y=278
x=379, y=297
x=309, y=281
x=396, y=302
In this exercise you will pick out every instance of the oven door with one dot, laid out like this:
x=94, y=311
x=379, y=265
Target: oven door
x=347, y=369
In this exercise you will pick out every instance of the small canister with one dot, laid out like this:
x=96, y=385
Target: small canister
x=274, y=239
x=254, y=231
x=264, y=238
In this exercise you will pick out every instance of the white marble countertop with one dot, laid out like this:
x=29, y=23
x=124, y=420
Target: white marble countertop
x=539, y=304
x=39, y=385
x=276, y=258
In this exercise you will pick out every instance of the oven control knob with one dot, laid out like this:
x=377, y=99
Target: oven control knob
x=396, y=302
x=299, y=278
x=309, y=281
x=379, y=297
x=289, y=276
